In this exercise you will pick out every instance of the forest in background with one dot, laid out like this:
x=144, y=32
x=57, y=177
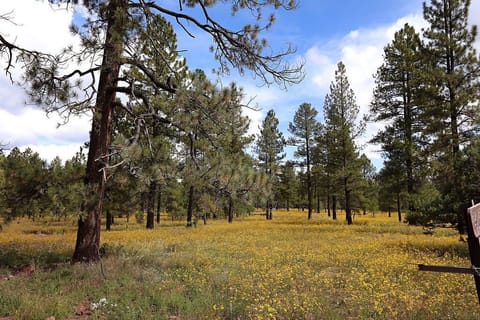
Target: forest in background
x=177, y=143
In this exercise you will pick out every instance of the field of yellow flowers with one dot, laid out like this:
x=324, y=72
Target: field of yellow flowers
x=286, y=268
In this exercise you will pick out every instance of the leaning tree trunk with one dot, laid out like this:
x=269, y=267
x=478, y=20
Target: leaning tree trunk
x=89, y=222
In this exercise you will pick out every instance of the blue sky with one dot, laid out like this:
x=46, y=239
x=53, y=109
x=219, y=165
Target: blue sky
x=323, y=31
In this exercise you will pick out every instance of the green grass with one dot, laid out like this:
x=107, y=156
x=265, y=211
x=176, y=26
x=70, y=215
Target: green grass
x=288, y=268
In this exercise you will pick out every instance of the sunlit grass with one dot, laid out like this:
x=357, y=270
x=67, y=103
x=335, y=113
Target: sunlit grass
x=287, y=268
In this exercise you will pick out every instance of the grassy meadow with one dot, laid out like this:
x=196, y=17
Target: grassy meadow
x=288, y=268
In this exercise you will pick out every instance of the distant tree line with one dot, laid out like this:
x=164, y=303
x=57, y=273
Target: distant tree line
x=166, y=139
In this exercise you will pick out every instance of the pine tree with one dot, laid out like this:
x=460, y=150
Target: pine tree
x=453, y=77
x=304, y=129
x=326, y=166
x=471, y=170
x=288, y=184
x=397, y=101
x=269, y=149
x=367, y=198
x=233, y=176
x=25, y=183
x=341, y=111
x=390, y=188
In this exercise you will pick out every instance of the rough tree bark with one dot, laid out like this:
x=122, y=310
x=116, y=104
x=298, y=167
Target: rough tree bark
x=89, y=222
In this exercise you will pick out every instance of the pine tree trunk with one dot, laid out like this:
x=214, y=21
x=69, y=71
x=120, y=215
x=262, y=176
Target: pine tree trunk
x=318, y=199
x=328, y=206
x=408, y=123
x=309, y=180
x=348, y=209
x=151, y=204
x=191, y=192
x=398, y=208
x=89, y=223
x=109, y=220
x=457, y=171
x=309, y=192
x=159, y=203
x=334, y=207
x=230, y=210
x=267, y=210
x=142, y=201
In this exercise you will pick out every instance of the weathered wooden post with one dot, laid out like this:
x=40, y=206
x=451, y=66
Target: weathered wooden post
x=473, y=232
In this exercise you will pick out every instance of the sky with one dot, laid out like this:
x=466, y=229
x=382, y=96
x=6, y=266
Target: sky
x=323, y=32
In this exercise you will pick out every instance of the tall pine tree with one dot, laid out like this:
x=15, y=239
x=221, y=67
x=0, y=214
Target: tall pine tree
x=451, y=117
x=269, y=149
x=341, y=111
x=397, y=102
x=304, y=129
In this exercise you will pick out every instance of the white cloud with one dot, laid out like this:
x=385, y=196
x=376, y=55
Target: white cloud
x=361, y=51
x=24, y=29
x=26, y=126
x=49, y=151
x=256, y=118
x=32, y=128
x=261, y=100
x=321, y=67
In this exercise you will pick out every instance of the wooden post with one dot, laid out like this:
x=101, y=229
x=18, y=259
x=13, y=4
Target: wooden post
x=473, y=230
